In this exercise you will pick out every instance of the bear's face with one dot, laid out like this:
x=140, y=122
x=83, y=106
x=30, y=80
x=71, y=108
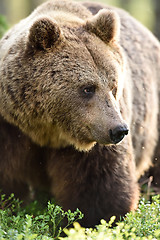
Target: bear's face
x=65, y=83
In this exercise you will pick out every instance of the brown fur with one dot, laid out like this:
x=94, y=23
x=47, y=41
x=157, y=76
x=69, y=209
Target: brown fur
x=67, y=83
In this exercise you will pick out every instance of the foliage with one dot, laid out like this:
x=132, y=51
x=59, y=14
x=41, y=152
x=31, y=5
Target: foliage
x=142, y=224
x=46, y=223
x=3, y=25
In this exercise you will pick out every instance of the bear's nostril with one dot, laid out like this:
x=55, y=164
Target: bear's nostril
x=118, y=133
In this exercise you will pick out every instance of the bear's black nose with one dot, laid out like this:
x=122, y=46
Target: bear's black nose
x=118, y=133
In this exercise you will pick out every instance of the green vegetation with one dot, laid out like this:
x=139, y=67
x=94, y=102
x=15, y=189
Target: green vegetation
x=34, y=221
x=3, y=25
x=140, y=225
x=51, y=222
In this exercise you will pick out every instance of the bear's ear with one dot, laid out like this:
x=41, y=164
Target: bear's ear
x=105, y=24
x=43, y=34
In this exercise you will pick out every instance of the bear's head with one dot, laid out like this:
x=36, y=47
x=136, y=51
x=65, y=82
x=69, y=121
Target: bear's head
x=62, y=78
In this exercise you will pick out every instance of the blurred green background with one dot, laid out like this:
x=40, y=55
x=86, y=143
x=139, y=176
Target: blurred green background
x=146, y=11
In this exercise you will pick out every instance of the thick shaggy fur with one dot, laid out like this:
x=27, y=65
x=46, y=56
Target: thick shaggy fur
x=69, y=75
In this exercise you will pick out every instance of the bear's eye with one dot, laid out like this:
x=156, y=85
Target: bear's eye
x=88, y=91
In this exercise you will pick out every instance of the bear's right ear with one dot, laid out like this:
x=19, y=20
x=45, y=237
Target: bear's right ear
x=43, y=34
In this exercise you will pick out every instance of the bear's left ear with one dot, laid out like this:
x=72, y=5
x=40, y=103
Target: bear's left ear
x=105, y=24
x=43, y=34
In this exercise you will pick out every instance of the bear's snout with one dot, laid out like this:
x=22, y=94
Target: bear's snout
x=118, y=133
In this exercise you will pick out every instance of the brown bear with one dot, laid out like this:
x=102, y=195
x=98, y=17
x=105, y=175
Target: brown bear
x=79, y=85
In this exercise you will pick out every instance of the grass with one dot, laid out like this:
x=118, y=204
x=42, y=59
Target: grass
x=141, y=224
x=33, y=221
x=51, y=222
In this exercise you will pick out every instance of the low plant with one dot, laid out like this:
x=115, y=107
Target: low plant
x=37, y=222
x=142, y=224
x=33, y=222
